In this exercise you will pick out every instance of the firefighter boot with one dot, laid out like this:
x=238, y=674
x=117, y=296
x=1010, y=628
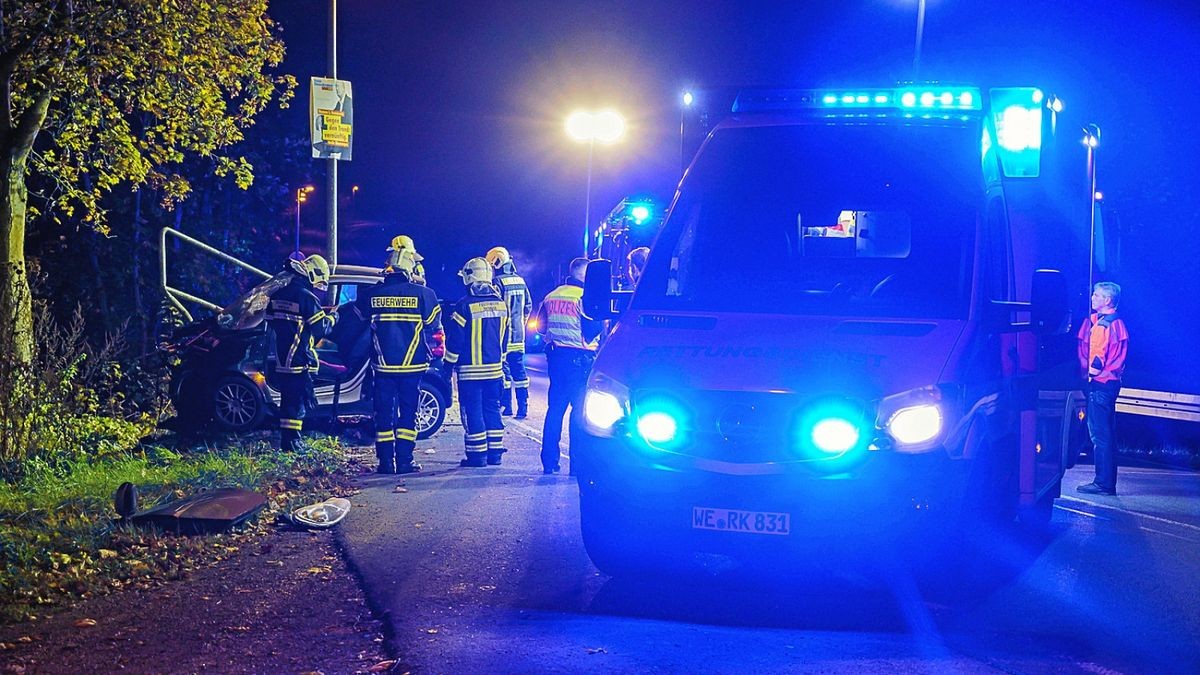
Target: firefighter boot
x=522, y=403
x=387, y=461
x=506, y=407
x=474, y=459
x=495, y=457
x=406, y=464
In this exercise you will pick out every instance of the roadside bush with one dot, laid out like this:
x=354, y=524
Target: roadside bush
x=67, y=403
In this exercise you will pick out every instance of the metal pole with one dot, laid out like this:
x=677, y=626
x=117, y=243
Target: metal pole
x=587, y=202
x=682, y=114
x=298, y=219
x=920, y=30
x=1093, y=139
x=331, y=208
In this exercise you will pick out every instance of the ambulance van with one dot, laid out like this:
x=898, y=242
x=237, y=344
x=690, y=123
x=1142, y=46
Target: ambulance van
x=852, y=331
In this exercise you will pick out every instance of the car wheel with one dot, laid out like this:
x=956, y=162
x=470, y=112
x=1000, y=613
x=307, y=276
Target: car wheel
x=431, y=411
x=237, y=405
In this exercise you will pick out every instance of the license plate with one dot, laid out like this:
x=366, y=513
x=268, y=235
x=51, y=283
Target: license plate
x=735, y=520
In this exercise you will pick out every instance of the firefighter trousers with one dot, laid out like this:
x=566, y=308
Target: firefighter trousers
x=516, y=381
x=295, y=397
x=395, y=397
x=479, y=406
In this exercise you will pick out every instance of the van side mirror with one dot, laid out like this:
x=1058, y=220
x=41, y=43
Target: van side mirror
x=1049, y=303
x=597, y=290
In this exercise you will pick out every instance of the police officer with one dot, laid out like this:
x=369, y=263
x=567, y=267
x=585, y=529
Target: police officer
x=515, y=294
x=297, y=319
x=404, y=242
x=476, y=341
x=402, y=315
x=571, y=340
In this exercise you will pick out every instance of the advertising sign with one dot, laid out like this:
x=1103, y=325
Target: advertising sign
x=331, y=110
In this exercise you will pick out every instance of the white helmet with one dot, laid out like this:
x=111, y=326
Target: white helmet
x=315, y=269
x=475, y=271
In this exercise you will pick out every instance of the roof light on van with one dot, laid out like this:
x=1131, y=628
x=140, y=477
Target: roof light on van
x=939, y=98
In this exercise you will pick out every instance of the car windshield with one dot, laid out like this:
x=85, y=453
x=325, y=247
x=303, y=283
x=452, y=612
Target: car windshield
x=837, y=219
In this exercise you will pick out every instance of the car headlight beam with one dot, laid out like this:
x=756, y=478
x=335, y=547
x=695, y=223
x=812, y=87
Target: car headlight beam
x=915, y=424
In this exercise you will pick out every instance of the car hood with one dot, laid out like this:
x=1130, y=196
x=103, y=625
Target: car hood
x=777, y=353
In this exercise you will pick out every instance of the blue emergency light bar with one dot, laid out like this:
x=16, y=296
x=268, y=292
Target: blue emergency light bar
x=911, y=99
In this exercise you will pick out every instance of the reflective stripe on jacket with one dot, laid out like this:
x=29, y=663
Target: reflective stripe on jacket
x=515, y=294
x=477, y=334
x=403, y=316
x=561, y=319
x=296, y=318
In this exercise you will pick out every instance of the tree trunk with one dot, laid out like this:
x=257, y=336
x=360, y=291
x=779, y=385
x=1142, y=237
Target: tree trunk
x=16, y=305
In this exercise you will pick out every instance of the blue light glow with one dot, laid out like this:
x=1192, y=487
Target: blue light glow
x=908, y=99
x=881, y=98
x=848, y=98
x=1017, y=115
x=640, y=213
x=829, y=99
x=657, y=428
x=834, y=435
x=927, y=99
x=946, y=98
x=965, y=99
x=861, y=98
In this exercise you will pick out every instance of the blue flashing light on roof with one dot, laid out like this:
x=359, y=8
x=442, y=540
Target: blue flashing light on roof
x=640, y=213
x=1017, y=115
x=936, y=98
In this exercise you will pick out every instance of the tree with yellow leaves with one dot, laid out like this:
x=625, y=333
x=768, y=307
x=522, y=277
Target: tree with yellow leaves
x=100, y=93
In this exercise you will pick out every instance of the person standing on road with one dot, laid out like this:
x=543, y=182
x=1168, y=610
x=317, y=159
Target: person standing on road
x=1103, y=346
x=403, y=315
x=571, y=340
x=476, y=341
x=296, y=318
x=515, y=294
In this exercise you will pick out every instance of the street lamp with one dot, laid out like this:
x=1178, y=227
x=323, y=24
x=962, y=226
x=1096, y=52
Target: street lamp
x=1091, y=139
x=920, y=31
x=605, y=126
x=301, y=197
x=688, y=99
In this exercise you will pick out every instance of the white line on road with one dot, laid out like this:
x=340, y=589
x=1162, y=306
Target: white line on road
x=1131, y=513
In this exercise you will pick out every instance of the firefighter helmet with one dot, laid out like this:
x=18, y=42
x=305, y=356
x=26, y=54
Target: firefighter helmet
x=315, y=269
x=498, y=257
x=476, y=270
x=404, y=241
x=402, y=260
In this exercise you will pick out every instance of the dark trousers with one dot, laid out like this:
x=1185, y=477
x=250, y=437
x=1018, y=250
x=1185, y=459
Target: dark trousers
x=295, y=395
x=479, y=407
x=395, y=398
x=1102, y=427
x=568, y=370
x=516, y=381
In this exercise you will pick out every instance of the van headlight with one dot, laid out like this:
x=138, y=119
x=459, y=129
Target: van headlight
x=605, y=402
x=916, y=420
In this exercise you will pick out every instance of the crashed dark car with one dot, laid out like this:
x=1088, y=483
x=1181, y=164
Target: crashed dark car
x=222, y=365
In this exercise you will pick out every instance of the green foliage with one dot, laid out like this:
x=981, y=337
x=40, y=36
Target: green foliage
x=60, y=540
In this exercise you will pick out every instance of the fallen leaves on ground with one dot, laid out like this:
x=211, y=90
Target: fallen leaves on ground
x=400, y=488
x=382, y=666
x=85, y=623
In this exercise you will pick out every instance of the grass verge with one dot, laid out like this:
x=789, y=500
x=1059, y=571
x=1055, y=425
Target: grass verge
x=61, y=542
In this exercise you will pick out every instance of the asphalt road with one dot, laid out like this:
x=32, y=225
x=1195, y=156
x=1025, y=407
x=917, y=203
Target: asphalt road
x=484, y=570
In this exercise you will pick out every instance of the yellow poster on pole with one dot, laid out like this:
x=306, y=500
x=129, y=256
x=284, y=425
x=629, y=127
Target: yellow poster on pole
x=331, y=113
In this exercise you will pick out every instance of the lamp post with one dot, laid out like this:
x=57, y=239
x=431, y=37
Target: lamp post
x=688, y=99
x=301, y=197
x=1091, y=138
x=920, y=31
x=605, y=126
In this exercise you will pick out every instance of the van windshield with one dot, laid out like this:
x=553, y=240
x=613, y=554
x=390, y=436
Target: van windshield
x=850, y=220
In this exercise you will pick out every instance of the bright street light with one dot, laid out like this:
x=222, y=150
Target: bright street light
x=688, y=99
x=605, y=126
x=301, y=197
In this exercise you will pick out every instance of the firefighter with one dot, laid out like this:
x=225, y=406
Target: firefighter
x=404, y=242
x=476, y=341
x=515, y=294
x=571, y=340
x=297, y=319
x=403, y=315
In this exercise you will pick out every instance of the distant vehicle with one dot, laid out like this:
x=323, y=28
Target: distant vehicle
x=852, y=328
x=223, y=364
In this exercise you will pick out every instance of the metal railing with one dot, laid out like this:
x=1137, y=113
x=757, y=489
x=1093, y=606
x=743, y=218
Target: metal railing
x=176, y=295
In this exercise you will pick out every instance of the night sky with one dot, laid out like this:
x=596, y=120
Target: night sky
x=459, y=106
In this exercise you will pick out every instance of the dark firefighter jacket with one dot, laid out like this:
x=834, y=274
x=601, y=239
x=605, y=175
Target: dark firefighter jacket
x=477, y=334
x=298, y=320
x=516, y=295
x=403, y=316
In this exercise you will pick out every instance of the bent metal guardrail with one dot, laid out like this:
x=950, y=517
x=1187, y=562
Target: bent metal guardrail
x=176, y=295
